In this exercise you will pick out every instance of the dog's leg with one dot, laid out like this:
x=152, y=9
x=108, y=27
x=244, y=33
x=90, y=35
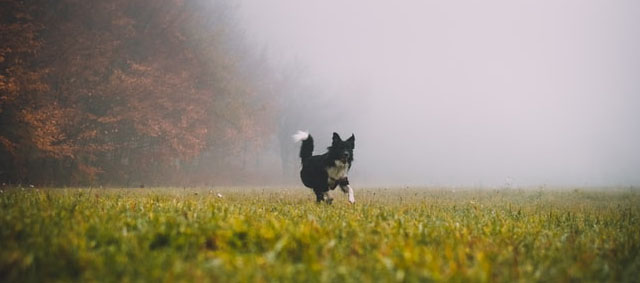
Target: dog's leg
x=319, y=196
x=352, y=198
x=349, y=190
x=327, y=197
x=344, y=182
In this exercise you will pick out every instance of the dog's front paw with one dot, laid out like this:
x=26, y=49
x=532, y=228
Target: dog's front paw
x=352, y=198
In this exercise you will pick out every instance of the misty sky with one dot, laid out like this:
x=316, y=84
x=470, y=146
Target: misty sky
x=472, y=92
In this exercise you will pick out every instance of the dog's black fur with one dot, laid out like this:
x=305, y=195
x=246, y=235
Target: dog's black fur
x=326, y=171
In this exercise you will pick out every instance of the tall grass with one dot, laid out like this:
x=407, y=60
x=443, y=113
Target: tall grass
x=253, y=234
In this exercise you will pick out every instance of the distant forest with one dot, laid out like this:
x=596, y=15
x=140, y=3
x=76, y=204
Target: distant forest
x=133, y=92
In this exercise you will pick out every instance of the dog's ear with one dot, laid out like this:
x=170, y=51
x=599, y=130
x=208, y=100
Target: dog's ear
x=336, y=138
x=351, y=141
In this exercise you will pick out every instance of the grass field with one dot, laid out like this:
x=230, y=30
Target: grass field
x=256, y=235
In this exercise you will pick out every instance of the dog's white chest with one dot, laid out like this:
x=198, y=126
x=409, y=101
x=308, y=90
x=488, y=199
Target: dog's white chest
x=337, y=172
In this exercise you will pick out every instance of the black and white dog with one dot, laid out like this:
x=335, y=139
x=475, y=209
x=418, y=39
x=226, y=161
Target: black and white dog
x=323, y=173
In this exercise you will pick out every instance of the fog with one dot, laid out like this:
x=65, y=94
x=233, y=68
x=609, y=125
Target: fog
x=476, y=93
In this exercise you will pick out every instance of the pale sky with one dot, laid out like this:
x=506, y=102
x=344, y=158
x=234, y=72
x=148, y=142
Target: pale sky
x=473, y=92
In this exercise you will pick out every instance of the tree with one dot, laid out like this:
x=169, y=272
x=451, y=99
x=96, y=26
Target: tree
x=121, y=91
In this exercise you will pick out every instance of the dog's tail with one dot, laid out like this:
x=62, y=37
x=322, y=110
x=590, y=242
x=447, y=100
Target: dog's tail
x=306, y=150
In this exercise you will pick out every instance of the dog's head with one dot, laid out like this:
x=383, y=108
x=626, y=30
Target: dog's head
x=342, y=150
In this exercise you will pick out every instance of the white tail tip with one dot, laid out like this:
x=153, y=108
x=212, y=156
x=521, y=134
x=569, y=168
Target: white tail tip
x=300, y=136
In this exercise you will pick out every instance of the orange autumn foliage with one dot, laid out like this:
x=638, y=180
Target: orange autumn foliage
x=114, y=92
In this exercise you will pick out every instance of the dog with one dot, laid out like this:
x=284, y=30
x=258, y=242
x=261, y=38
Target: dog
x=323, y=173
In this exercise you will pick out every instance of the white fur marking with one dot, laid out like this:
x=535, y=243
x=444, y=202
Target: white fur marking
x=337, y=172
x=352, y=198
x=300, y=136
x=327, y=196
x=349, y=190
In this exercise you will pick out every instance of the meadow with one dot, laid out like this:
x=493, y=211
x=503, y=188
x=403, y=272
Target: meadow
x=281, y=234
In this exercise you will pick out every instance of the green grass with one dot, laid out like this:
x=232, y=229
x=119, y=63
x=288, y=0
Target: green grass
x=253, y=234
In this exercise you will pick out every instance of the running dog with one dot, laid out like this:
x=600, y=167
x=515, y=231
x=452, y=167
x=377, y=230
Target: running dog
x=323, y=173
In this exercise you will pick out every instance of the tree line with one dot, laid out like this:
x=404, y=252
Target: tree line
x=115, y=91
x=133, y=92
